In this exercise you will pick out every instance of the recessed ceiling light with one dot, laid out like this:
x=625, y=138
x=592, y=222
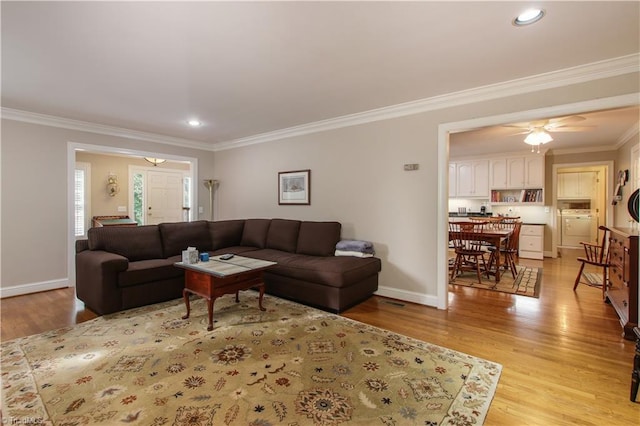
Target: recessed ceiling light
x=194, y=123
x=528, y=17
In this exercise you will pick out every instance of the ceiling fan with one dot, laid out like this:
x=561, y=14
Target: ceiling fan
x=538, y=131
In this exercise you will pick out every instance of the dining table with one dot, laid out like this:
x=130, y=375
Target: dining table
x=494, y=234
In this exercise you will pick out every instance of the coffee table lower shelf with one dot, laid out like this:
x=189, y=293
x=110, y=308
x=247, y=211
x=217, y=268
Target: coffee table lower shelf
x=211, y=287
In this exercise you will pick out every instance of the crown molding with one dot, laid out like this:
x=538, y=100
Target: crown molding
x=571, y=151
x=85, y=126
x=633, y=131
x=574, y=75
x=550, y=80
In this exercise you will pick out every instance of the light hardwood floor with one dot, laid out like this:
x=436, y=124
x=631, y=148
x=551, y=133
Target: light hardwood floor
x=564, y=359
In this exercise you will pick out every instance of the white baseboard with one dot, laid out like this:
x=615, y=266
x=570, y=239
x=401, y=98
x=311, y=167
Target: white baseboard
x=408, y=296
x=19, y=290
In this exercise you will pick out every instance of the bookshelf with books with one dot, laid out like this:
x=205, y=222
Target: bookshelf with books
x=530, y=196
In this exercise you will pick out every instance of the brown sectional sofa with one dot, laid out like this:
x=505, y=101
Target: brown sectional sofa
x=119, y=268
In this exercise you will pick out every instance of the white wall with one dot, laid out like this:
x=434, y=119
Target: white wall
x=356, y=177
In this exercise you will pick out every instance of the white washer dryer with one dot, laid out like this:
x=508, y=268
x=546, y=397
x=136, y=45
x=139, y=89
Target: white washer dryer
x=578, y=225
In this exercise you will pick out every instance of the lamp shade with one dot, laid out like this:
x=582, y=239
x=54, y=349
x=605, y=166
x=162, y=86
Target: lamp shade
x=538, y=137
x=155, y=161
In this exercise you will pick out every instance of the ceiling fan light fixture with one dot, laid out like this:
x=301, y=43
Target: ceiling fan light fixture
x=528, y=17
x=538, y=137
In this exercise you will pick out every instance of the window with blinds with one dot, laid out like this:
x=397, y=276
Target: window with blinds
x=81, y=198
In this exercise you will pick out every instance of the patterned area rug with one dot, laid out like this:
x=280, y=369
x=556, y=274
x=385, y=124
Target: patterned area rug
x=290, y=365
x=526, y=283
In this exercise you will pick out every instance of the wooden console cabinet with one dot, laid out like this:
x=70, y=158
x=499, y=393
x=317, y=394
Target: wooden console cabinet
x=623, y=277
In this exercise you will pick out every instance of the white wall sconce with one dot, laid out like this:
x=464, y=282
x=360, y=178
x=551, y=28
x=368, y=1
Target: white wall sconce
x=112, y=185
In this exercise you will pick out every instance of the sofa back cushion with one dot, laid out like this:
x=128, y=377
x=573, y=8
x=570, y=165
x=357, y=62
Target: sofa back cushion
x=226, y=233
x=132, y=242
x=318, y=238
x=180, y=235
x=283, y=235
x=254, y=233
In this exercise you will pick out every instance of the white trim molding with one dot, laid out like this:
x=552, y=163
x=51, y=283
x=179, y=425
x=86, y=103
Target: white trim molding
x=22, y=289
x=550, y=80
x=85, y=126
x=407, y=296
x=579, y=74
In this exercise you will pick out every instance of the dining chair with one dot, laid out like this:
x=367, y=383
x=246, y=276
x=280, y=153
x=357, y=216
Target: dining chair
x=595, y=255
x=467, y=245
x=509, y=251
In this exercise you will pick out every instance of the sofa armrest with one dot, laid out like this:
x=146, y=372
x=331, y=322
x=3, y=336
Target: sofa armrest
x=97, y=280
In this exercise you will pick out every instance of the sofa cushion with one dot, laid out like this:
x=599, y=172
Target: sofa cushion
x=226, y=233
x=180, y=235
x=283, y=235
x=318, y=238
x=132, y=242
x=254, y=233
x=334, y=271
x=145, y=271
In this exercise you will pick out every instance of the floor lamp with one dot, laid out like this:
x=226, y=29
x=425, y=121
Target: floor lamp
x=210, y=184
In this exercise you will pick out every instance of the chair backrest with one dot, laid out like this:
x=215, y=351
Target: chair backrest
x=514, y=238
x=598, y=254
x=466, y=235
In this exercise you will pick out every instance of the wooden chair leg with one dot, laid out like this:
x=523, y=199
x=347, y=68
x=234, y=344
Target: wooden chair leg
x=478, y=268
x=575, y=285
x=512, y=264
x=604, y=283
x=456, y=266
x=487, y=267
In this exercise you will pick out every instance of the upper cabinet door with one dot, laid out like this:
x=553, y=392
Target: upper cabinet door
x=481, y=178
x=452, y=180
x=498, y=173
x=472, y=178
x=534, y=172
x=464, y=177
x=515, y=172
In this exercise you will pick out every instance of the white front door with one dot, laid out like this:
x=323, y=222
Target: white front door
x=164, y=195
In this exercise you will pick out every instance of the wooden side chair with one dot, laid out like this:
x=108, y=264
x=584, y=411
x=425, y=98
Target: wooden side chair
x=596, y=255
x=467, y=244
x=510, y=250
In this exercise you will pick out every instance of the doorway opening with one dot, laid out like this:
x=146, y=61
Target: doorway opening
x=99, y=191
x=580, y=198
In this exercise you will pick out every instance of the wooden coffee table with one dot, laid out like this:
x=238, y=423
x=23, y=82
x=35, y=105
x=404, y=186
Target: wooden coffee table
x=218, y=277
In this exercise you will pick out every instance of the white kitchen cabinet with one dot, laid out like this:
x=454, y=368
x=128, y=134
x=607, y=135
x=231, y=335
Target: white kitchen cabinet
x=517, y=172
x=534, y=171
x=498, y=173
x=469, y=179
x=531, y=242
x=517, y=179
x=576, y=185
x=453, y=182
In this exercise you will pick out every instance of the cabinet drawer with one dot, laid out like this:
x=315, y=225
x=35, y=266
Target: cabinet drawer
x=533, y=230
x=530, y=243
x=616, y=276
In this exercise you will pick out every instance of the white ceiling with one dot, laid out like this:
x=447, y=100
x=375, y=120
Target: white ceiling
x=247, y=68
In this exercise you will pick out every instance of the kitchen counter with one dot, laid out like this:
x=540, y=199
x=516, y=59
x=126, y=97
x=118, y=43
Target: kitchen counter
x=470, y=214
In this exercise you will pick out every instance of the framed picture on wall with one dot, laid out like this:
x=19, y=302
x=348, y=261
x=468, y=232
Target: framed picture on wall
x=294, y=188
